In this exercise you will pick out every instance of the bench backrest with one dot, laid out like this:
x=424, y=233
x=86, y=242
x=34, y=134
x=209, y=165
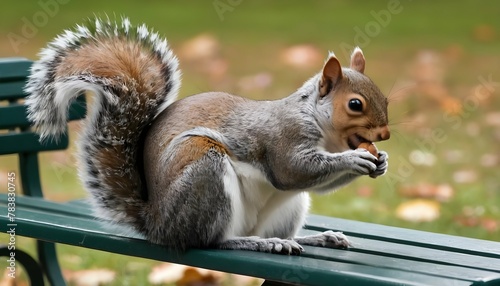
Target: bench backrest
x=16, y=135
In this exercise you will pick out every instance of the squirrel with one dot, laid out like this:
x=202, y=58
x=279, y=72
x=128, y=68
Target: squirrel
x=212, y=170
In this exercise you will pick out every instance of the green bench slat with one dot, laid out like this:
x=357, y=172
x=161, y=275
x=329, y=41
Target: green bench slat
x=406, y=263
x=13, y=142
x=89, y=233
x=422, y=253
x=12, y=90
x=50, y=216
x=14, y=68
x=77, y=208
x=407, y=236
x=13, y=73
x=366, y=250
x=12, y=116
x=419, y=255
x=15, y=115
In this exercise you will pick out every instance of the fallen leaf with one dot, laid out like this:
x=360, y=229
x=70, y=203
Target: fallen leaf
x=467, y=221
x=203, y=55
x=454, y=156
x=365, y=191
x=200, y=277
x=91, y=277
x=199, y=48
x=255, y=82
x=484, y=33
x=216, y=69
x=183, y=275
x=493, y=119
x=454, y=52
x=242, y=280
x=7, y=280
x=442, y=192
x=428, y=72
x=302, y=56
x=418, y=210
x=474, y=216
x=473, y=129
x=483, y=93
x=489, y=160
x=422, y=158
x=166, y=273
x=450, y=105
x=465, y=176
x=428, y=67
x=491, y=225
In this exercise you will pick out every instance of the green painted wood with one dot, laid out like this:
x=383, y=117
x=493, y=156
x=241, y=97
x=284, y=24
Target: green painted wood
x=292, y=269
x=403, y=269
x=15, y=115
x=13, y=142
x=79, y=208
x=12, y=116
x=47, y=255
x=406, y=236
x=32, y=187
x=13, y=73
x=13, y=89
x=14, y=68
x=420, y=254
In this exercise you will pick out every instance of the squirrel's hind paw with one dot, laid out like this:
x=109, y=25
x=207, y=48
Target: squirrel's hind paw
x=270, y=245
x=330, y=239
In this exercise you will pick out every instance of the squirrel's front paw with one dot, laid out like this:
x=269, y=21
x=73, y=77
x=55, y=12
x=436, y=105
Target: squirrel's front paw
x=382, y=164
x=361, y=161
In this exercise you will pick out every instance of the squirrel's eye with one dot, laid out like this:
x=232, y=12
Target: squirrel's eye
x=355, y=105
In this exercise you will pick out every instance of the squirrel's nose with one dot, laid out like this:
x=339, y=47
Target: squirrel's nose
x=383, y=133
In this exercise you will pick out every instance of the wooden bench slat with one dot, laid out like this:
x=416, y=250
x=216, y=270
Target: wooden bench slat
x=73, y=209
x=12, y=116
x=14, y=68
x=14, y=142
x=51, y=216
x=12, y=90
x=89, y=233
x=397, y=251
x=361, y=245
x=406, y=236
x=405, y=263
x=15, y=115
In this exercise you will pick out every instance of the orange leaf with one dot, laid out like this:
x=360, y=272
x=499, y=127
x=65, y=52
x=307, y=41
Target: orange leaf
x=418, y=210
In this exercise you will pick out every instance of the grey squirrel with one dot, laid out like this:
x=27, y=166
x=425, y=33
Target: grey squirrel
x=212, y=170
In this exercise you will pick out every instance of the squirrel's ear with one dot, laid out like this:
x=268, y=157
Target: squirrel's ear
x=358, y=60
x=332, y=74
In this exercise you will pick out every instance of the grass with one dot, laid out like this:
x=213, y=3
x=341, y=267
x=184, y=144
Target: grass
x=252, y=37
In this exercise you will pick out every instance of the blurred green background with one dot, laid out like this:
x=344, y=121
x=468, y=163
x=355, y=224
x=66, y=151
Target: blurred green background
x=437, y=61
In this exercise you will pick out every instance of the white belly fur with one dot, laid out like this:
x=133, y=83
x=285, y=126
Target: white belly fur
x=259, y=208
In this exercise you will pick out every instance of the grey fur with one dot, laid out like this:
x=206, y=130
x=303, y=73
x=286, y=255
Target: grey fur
x=271, y=245
x=326, y=239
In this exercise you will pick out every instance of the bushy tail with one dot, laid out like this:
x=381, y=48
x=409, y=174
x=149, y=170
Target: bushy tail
x=134, y=76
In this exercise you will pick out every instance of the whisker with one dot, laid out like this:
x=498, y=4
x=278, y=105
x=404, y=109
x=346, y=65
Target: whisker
x=395, y=95
x=406, y=123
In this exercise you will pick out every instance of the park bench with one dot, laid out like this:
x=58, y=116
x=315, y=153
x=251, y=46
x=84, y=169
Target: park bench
x=381, y=255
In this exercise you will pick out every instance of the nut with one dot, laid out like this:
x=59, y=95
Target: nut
x=370, y=147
